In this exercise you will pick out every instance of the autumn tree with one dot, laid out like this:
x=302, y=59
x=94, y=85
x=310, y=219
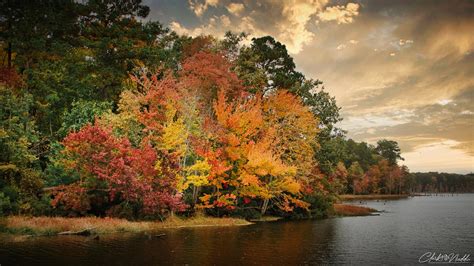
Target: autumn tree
x=355, y=174
x=338, y=178
x=137, y=175
x=205, y=73
x=295, y=132
x=248, y=165
x=236, y=124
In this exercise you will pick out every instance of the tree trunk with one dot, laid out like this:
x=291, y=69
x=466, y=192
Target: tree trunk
x=9, y=51
x=266, y=201
x=390, y=183
x=195, y=194
x=264, y=206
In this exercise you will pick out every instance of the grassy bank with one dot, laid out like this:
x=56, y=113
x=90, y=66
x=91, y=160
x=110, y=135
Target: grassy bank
x=53, y=225
x=351, y=210
x=372, y=197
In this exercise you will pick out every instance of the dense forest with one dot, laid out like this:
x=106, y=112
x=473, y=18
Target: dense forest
x=434, y=182
x=105, y=114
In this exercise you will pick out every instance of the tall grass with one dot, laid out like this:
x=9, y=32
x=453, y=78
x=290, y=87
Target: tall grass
x=55, y=225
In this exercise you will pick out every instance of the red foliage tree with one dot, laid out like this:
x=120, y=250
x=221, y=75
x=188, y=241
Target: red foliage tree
x=132, y=174
x=205, y=73
x=10, y=77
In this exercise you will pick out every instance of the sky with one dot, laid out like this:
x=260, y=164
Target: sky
x=400, y=70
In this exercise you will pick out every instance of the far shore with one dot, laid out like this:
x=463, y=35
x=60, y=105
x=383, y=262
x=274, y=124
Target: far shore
x=350, y=197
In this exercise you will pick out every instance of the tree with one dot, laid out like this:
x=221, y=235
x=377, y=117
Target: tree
x=204, y=74
x=396, y=175
x=37, y=34
x=33, y=31
x=372, y=179
x=385, y=180
x=236, y=124
x=196, y=176
x=270, y=58
x=82, y=113
x=389, y=150
x=125, y=122
x=296, y=131
x=20, y=172
x=331, y=152
x=266, y=177
x=125, y=44
x=231, y=45
x=339, y=178
x=266, y=66
x=355, y=174
x=360, y=152
x=105, y=162
x=243, y=159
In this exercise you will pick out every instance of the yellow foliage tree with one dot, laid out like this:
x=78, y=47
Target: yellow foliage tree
x=295, y=133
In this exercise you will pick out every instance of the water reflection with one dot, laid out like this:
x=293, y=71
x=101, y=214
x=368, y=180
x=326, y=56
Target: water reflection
x=408, y=229
x=262, y=244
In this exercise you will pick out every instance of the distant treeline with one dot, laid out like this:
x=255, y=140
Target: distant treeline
x=441, y=182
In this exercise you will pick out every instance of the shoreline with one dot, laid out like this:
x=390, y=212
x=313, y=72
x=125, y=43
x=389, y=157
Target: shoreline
x=349, y=197
x=28, y=226
x=57, y=226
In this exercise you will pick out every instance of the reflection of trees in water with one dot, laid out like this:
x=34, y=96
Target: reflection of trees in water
x=280, y=243
x=300, y=242
x=273, y=243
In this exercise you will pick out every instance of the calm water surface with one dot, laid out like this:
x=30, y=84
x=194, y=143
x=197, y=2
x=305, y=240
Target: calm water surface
x=407, y=229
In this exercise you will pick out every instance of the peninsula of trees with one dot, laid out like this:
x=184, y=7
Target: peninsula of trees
x=104, y=114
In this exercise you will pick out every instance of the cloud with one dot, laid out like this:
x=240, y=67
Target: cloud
x=293, y=29
x=441, y=157
x=403, y=42
x=444, y=101
x=212, y=28
x=340, y=14
x=366, y=79
x=451, y=121
x=343, y=46
x=199, y=7
x=288, y=21
x=235, y=8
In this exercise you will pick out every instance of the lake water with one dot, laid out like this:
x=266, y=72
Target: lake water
x=406, y=230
